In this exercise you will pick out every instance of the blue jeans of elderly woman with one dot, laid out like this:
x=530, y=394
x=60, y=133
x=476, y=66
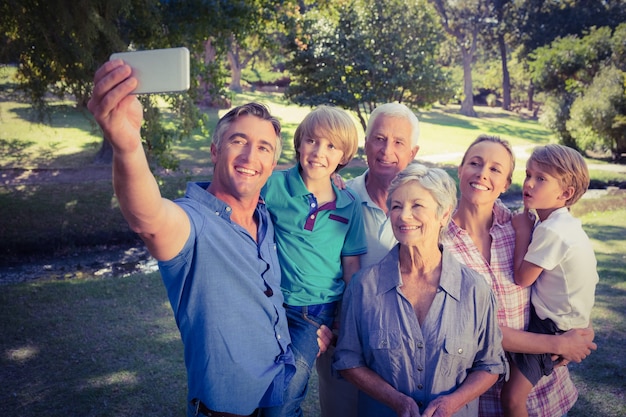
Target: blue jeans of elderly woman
x=303, y=324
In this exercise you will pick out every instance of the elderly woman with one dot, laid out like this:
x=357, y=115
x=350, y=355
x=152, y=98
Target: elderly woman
x=419, y=335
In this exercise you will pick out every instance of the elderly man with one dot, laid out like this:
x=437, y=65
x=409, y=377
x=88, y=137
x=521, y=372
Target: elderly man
x=390, y=145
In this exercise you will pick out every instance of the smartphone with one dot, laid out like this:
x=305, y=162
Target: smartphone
x=158, y=70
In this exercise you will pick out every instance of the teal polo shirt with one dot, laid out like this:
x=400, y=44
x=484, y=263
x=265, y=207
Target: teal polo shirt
x=310, y=239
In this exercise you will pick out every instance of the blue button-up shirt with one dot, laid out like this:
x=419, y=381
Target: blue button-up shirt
x=379, y=329
x=234, y=329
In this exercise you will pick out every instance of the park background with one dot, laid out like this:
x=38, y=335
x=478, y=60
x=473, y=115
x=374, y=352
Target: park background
x=86, y=331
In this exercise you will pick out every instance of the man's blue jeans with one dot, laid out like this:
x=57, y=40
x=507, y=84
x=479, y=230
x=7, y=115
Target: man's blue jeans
x=303, y=324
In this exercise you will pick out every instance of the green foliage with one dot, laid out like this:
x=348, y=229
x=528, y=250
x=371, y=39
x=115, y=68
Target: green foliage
x=372, y=52
x=598, y=117
x=587, y=108
x=570, y=63
x=555, y=115
x=59, y=44
x=542, y=21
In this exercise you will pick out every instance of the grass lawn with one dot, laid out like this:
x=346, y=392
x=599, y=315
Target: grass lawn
x=110, y=347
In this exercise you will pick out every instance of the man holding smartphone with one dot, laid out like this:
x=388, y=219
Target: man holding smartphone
x=215, y=248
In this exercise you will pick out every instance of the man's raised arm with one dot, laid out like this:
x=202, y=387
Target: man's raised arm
x=162, y=225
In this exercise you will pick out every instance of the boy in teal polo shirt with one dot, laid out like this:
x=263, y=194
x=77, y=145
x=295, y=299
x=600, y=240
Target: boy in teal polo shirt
x=320, y=235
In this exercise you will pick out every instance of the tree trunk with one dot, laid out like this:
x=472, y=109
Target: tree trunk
x=506, y=79
x=235, y=67
x=467, y=107
x=531, y=96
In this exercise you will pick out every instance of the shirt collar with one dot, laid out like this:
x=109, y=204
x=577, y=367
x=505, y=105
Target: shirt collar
x=501, y=216
x=450, y=281
x=391, y=278
x=198, y=192
x=358, y=185
x=296, y=188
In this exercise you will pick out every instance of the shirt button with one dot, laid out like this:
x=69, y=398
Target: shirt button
x=312, y=204
x=420, y=386
x=420, y=368
x=278, y=336
x=460, y=351
x=420, y=345
x=312, y=216
x=228, y=209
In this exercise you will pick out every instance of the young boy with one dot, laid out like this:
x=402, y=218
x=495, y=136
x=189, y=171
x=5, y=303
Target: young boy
x=556, y=258
x=319, y=235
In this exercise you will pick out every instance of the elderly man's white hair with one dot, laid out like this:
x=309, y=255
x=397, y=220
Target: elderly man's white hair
x=395, y=110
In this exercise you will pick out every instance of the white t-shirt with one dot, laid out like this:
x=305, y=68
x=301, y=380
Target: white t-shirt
x=565, y=290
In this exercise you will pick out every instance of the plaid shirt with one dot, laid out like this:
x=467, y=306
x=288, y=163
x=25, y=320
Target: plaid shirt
x=554, y=395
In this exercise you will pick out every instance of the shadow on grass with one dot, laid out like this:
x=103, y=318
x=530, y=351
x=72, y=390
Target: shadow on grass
x=46, y=218
x=90, y=348
x=600, y=377
x=59, y=115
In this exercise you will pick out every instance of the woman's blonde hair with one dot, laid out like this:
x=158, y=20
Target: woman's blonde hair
x=333, y=124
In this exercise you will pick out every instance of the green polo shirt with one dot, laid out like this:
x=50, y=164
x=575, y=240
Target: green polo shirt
x=311, y=240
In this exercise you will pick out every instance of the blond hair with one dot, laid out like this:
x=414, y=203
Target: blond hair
x=331, y=123
x=566, y=165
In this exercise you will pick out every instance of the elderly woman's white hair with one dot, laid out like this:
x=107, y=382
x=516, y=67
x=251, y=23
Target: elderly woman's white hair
x=435, y=180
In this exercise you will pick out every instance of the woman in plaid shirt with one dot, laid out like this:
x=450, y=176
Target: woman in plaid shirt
x=481, y=236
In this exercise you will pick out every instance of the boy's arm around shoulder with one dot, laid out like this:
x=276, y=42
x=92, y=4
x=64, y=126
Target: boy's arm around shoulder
x=525, y=273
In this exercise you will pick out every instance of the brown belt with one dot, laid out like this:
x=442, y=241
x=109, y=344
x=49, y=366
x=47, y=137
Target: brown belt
x=202, y=409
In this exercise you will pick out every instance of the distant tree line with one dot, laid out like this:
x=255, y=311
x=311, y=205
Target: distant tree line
x=568, y=56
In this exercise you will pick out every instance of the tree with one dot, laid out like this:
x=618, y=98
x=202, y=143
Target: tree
x=61, y=43
x=585, y=78
x=539, y=22
x=598, y=117
x=265, y=38
x=359, y=54
x=464, y=20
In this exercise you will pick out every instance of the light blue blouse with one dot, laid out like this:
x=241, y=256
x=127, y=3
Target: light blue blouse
x=379, y=329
